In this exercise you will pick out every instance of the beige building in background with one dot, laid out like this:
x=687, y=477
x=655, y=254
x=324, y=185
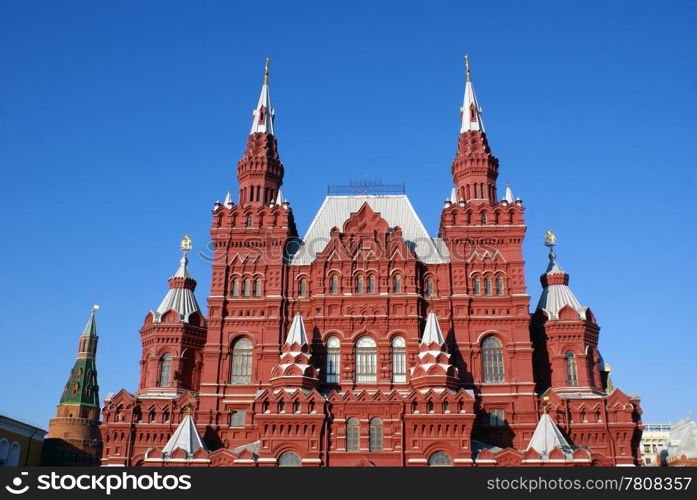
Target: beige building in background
x=20, y=444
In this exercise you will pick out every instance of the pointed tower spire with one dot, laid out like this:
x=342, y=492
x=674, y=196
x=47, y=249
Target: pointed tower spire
x=260, y=171
x=73, y=436
x=228, y=200
x=470, y=111
x=474, y=169
x=433, y=367
x=294, y=368
x=264, y=113
x=509, y=194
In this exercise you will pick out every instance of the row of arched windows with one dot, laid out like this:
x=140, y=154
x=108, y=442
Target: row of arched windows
x=246, y=287
x=437, y=459
x=9, y=453
x=488, y=285
x=365, y=284
x=366, y=361
x=353, y=434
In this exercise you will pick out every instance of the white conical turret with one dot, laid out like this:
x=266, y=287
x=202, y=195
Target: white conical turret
x=263, y=114
x=185, y=437
x=296, y=334
x=509, y=194
x=471, y=112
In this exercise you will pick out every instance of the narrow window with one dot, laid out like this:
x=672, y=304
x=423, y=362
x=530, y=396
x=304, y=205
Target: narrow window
x=492, y=360
x=439, y=459
x=246, y=287
x=281, y=407
x=257, y=288
x=302, y=288
x=446, y=407
x=399, y=360
x=333, y=284
x=499, y=285
x=333, y=360
x=371, y=284
x=359, y=284
x=366, y=360
x=571, y=371
x=250, y=221
x=166, y=370
x=237, y=418
x=235, y=287
x=487, y=285
x=477, y=285
x=353, y=428
x=241, y=365
x=288, y=459
x=375, y=443
x=296, y=407
x=485, y=219
x=497, y=417
x=397, y=284
x=429, y=287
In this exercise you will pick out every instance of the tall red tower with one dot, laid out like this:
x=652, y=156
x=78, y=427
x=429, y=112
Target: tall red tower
x=368, y=341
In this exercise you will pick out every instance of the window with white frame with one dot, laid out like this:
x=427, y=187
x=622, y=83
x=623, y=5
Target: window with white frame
x=333, y=360
x=366, y=360
x=237, y=418
x=399, y=360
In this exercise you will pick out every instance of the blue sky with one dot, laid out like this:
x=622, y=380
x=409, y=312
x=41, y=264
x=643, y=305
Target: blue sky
x=121, y=123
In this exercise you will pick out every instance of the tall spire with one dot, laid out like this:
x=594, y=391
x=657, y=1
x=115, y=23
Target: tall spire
x=474, y=169
x=260, y=171
x=264, y=113
x=471, y=112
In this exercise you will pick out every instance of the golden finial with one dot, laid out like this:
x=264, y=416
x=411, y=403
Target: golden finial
x=185, y=245
x=550, y=238
x=545, y=403
x=266, y=70
x=467, y=66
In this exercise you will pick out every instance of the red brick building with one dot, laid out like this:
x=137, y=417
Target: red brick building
x=369, y=342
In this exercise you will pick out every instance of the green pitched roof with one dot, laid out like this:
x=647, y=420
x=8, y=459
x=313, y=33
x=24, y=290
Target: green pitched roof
x=91, y=326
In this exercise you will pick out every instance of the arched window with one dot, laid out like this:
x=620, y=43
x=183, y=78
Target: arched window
x=13, y=458
x=397, y=284
x=359, y=284
x=353, y=429
x=375, y=442
x=165, y=370
x=250, y=221
x=241, y=364
x=439, y=459
x=333, y=284
x=257, y=288
x=302, y=288
x=333, y=360
x=246, y=287
x=429, y=287
x=477, y=285
x=399, y=360
x=366, y=360
x=288, y=459
x=571, y=370
x=4, y=451
x=371, y=284
x=235, y=287
x=492, y=360
x=487, y=285
x=484, y=218
x=296, y=407
x=499, y=285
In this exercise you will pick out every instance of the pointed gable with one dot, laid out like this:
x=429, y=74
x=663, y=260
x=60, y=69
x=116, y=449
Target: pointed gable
x=186, y=438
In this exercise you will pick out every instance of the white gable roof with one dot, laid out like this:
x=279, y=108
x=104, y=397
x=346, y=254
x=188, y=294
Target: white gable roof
x=395, y=209
x=547, y=437
x=185, y=437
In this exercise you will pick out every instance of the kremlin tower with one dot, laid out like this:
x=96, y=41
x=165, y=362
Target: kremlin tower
x=73, y=435
x=368, y=341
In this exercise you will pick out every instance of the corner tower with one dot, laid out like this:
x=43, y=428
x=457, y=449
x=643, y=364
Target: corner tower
x=73, y=436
